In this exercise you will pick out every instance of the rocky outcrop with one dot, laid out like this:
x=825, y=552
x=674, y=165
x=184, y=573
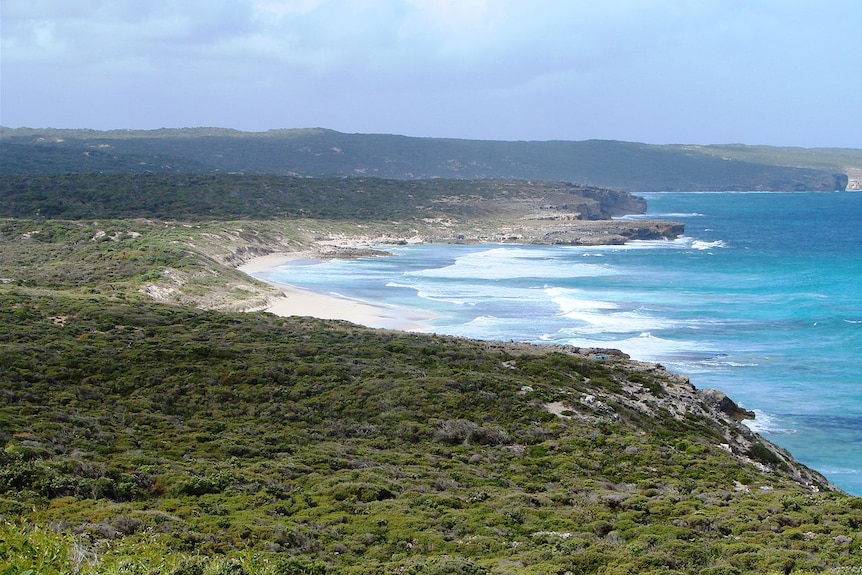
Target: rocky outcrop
x=854, y=179
x=652, y=390
x=719, y=400
x=611, y=232
x=614, y=202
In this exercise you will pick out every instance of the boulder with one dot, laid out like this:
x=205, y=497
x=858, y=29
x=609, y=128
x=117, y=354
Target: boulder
x=718, y=400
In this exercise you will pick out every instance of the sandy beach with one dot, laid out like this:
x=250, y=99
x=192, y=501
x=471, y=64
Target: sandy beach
x=301, y=302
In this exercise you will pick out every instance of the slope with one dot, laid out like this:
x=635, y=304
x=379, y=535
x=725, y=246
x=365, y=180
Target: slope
x=318, y=152
x=157, y=437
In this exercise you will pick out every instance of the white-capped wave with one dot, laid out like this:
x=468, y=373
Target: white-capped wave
x=568, y=301
x=736, y=364
x=442, y=294
x=620, y=322
x=495, y=328
x=682, y=242
x=644, y=346
x=679, y=243
x=766, y=423
x=702, y=245
x=512, y=263
x=829, y=470
x=654, y=215
x=462, y=293
x=452, y=300
x=596, y=316
x=720, y=361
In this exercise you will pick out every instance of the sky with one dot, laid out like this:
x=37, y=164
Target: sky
x=774, y=72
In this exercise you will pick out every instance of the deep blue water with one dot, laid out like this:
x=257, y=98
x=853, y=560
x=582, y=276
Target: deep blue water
x=761, y=298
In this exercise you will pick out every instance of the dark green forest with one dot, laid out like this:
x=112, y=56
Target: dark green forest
x=192, y=197
x=325, y=153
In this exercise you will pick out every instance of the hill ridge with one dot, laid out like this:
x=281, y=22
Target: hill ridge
x=322, y=152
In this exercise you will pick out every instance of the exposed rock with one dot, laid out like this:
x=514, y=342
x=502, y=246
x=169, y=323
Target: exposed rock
x=719, y=400
x=614, y=202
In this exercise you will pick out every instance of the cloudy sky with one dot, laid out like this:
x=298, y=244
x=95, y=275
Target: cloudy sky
x=779, y=72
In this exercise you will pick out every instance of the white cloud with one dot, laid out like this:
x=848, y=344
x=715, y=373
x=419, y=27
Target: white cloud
x=628, y=69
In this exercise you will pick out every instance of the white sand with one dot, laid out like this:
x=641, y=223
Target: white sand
x=301, y=302
x=263, y=263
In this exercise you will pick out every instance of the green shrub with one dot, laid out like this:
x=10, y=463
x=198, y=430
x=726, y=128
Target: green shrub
x=361, y=491
x=197, y=485
x=455, y=431
x=225, y=567
x=447, y=566
x=190, y=566
x=763, y=454
x=298, y=566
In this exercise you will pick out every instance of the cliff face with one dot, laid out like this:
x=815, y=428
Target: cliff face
x=611, y=203
x=801, y=180
x=854, y=179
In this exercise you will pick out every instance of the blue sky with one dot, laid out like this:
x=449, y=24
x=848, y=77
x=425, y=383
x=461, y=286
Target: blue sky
x=778, y=72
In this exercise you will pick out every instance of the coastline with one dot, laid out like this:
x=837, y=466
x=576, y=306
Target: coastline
x=295, y=301
x=556, y=230
x=680, y=397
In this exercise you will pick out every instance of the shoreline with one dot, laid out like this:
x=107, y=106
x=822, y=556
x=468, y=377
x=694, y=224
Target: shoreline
x=557, y=230
x=295, y=301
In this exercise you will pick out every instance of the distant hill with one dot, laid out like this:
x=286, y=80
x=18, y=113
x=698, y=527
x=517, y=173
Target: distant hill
x=319, y=152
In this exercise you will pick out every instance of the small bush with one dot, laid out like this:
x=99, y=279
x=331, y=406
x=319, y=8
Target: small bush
x=447, y=566
x=361, y=491
x=190, y=566
x=203, y=485
x=225, y=567
x=298, y=566
x=455, y=431
x=762, y=453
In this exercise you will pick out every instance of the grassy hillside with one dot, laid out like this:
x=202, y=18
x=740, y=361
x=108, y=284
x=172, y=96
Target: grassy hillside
x=324, y=153
x=146, y=438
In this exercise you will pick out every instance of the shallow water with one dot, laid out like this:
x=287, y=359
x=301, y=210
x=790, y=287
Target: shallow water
x=761, y=298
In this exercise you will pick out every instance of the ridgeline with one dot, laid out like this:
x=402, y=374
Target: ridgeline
x=325, y=153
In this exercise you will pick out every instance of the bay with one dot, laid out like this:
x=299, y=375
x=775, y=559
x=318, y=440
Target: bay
x=761, y=298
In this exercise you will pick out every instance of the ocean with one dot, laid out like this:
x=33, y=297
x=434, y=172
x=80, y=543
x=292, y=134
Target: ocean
x=761, y=298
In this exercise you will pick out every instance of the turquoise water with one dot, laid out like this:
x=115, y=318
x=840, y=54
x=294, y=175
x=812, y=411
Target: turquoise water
x=761, y=298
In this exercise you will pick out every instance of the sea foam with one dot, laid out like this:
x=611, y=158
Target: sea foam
x=509, y=263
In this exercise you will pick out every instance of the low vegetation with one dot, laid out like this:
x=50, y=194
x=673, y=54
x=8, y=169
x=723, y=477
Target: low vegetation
x=142, y=438
x=187, y=197
x=154, y=438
